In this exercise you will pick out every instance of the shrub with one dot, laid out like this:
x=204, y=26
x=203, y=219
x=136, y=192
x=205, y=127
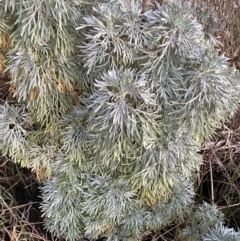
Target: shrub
x=112, y=106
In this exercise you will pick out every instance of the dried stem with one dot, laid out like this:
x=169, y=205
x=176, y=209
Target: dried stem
x=145, y=4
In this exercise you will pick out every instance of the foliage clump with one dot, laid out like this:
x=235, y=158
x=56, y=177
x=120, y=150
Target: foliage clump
x=113, y=105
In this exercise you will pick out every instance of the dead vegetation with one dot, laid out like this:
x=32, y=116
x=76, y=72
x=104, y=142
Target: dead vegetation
x=20, y=217
x=218, y=181
x=224, y=21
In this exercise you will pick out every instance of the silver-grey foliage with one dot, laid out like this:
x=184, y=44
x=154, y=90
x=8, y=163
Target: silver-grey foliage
x=116, y=104
x=221, y=233
x=203, y=218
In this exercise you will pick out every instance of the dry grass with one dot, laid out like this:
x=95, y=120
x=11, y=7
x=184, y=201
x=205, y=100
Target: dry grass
x=219, y=179
x=224, y=20
x=20, y=218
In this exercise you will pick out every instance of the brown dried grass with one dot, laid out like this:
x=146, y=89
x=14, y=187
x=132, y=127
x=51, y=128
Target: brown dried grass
x=227, y=28
x=20, y=216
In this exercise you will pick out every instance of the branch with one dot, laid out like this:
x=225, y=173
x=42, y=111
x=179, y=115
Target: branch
x=145, y=4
